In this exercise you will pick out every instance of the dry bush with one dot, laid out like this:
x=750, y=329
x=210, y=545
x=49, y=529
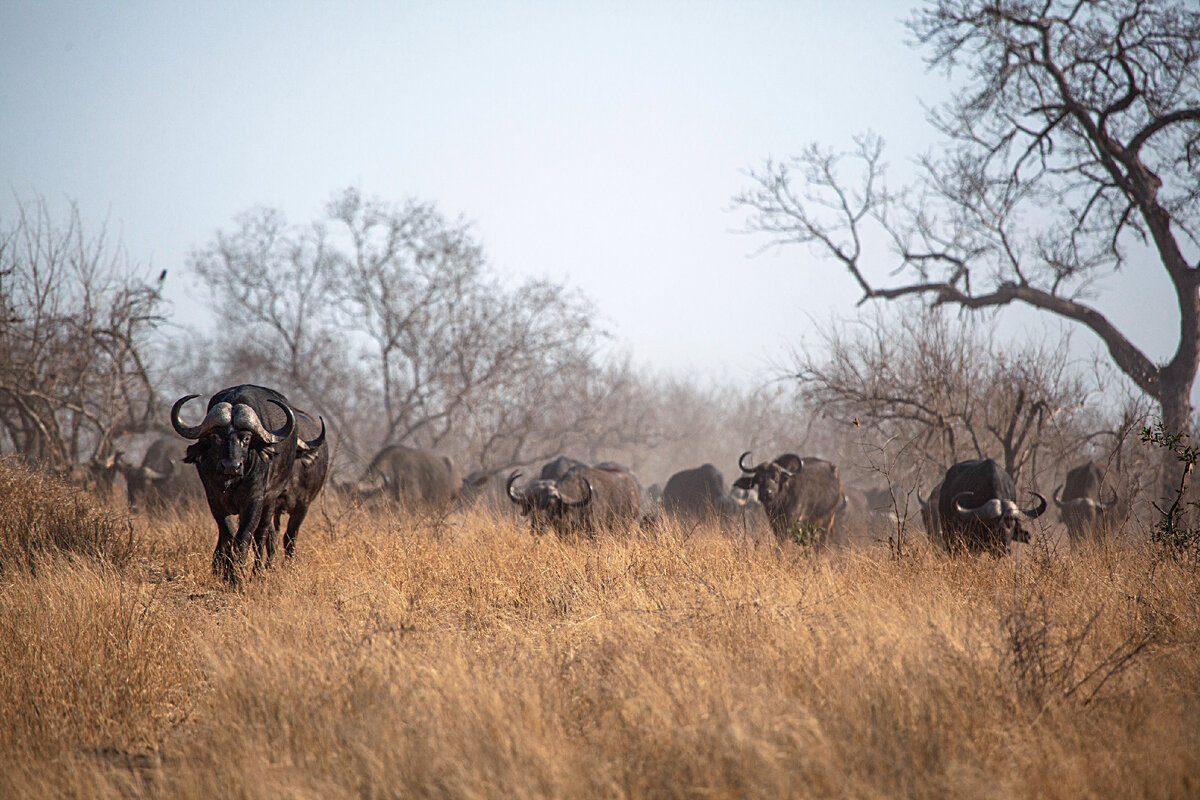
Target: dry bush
x=42, y=515
x=463, y=657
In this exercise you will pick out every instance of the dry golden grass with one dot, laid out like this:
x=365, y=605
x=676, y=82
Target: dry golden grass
x=464, y=658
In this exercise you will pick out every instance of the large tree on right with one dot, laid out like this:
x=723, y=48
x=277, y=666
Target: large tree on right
x=1072, y=147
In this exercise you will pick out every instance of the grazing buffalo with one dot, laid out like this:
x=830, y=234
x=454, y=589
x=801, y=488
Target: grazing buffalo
x=931, y=517
x=308, y=477
x=1083, y=511
x=585, y=500
x=696, y=493
x=418, y=480
x=244, y=451
x=978, y=508
x=801, y=496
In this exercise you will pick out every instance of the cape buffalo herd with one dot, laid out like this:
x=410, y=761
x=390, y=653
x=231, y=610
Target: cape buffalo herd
x=259, y=458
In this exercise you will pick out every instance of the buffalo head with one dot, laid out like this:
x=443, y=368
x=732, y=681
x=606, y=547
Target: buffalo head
x=229, y=434
x=544, y=502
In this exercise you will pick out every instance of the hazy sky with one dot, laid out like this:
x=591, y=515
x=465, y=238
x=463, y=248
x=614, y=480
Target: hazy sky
x=598, y=143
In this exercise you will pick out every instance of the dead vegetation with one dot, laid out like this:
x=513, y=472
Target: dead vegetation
x=462, y=657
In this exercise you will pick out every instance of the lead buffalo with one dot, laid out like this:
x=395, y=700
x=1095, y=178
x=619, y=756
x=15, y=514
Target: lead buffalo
x=797, y=494
x=416, y=479
x=585, y=500
x=978, y=510
x=1084, y=513
x=244, y=452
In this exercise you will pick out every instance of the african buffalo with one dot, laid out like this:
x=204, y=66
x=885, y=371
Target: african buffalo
x=418, y=480
x=978, y=509
x=1083, y=511
x=160, y=479
x=585, y=500
x=698, y=492
x=556, y=469
x=800, y=495
x=308, y=477
x=244, y=451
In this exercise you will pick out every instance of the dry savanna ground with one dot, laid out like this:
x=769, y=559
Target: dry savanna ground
x=462, y=657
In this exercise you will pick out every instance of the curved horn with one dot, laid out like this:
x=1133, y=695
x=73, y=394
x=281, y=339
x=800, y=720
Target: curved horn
x=1111, y=504
x=742, y=465
x=508, y=488
x=587, y=498
x=923, y=503
x=990, y=509
x=152, y=475
x=1036, y=511
x=246, y=418
x=1057, y=502
x=314, y=443
x=218, y=415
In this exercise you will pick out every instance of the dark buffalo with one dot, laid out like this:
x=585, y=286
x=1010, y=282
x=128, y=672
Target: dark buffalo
x=701, y=493
x=244, y=452
x=978, y=508
x=308, y=477
x=559, y=467
x=160, y=479
x=1083, y=511
x=585, y=500
x=418, y=480
x=795, y=493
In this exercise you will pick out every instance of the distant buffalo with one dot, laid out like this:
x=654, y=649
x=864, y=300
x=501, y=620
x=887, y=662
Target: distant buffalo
x=556, y=469
x=700, y=493
x=418, y=480
x=1083, y=511
x=800, y=495
x=585, y=500
x=978, y=510
x=160, y=480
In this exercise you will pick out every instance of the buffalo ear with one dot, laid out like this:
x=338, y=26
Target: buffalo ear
x=268, y=451
x=192, y=454
x=745, y=483
x=1020, y=534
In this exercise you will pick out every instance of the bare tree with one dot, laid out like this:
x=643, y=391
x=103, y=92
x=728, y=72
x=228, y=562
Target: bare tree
x=1075, y=142
x=387, y=319
x=77, y=321
x=942, y=390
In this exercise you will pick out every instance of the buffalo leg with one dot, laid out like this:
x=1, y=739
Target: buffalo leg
x=265, y=539
x=295, y=518
x=223, y=562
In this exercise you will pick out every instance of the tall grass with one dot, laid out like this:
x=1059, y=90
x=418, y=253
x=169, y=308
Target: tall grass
x=42, y=515
x=464, y=658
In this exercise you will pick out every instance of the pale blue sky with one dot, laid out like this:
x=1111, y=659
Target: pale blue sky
x=598, y=143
